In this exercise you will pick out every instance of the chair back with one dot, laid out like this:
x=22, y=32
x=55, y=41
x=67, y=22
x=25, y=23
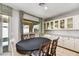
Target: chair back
x=49, y=48
x=44, y=49
x=53, y=47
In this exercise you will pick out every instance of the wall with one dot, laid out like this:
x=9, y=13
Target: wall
x=29, y=17
x=15, y=26
x=66, y=14
x=41, y=26
x=64, y=33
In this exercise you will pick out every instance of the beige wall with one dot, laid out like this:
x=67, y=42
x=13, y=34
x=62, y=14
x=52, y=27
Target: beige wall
x=15, y=26
x=26, y=16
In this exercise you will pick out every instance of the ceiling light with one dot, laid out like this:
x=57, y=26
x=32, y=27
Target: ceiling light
x=43, y=5
x=46, y=8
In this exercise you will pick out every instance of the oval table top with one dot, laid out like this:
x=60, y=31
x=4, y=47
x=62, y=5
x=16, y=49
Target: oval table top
x=31, y=44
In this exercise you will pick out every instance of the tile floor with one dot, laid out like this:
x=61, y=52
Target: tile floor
x=65, y=52
x=59, y=52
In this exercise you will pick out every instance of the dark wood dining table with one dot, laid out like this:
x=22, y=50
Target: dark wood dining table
x=31, y=44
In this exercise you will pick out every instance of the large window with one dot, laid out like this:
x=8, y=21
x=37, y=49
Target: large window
x=36, y=30
x=25, y=29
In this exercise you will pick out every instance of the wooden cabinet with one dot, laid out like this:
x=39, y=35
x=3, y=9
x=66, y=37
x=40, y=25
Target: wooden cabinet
x=77, y=45
x=76, y=22
x=69, y=43
x=62, y=22
x=47, y=25
x=61, y=41
x=68, y=23
x=44, y=26
x=66, y=29
x=51, y=23
x=56, y=24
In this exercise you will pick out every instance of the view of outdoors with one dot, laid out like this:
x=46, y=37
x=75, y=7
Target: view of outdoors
x=5, y=37
x=25, y=29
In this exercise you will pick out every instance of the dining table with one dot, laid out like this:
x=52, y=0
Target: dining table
x=31, y=44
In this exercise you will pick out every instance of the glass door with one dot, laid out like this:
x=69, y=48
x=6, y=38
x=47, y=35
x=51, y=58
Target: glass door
x=0, y=34
x=4, y=34
x=5, y=28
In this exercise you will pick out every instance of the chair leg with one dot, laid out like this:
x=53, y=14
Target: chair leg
x=29, y=53
x=39, y=53
x=54, y=54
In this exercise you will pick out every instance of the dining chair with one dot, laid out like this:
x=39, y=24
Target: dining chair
x=47, y=49
x=53, y=46
x=43, y=50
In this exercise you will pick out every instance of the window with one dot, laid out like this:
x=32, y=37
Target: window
x=25, y=29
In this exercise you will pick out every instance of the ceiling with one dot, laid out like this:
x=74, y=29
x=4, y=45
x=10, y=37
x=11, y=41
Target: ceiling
x=53, y=8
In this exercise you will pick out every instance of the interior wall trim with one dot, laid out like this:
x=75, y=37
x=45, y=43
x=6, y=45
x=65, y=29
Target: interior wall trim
x=31, y=14
x=69, y=49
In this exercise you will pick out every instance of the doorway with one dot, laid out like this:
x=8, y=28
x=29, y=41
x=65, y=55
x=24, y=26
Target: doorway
x=4, y=33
